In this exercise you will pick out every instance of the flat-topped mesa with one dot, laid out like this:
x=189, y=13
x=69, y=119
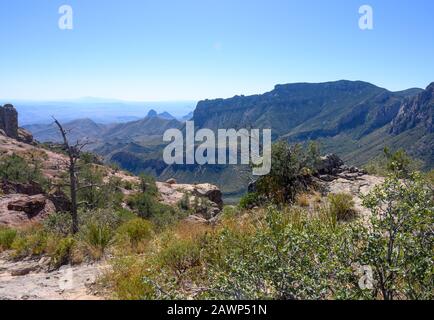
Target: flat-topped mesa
x=9, y=121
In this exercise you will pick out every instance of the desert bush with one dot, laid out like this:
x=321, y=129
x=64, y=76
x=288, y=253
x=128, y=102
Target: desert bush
x=180, y=256
x=17, y=169
x=59, y=223
x=97, y=230
x=250, y=200
x=290, y=170
x=97, y=238
x=128, y=185
x=124, y=215
x=147, y=207
x=61, y=251
x=341, y=206
x=7, y=237
x=288, y=257
x=400, y=245
x=89, y=158
x=398, y=163
x=134, y=232
x=148, y=185
x=302, y=200
x=94, y=193
x=31, y=241
x=127, y=278
x=184, y=203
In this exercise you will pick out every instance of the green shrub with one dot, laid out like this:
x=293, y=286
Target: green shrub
x=398, y=163
x=341, y=206
x=135, y=231
x=97, y=230
x=7, y=237
x=290, y=170
x=400, y=245
x=127, y=280
x=249, y=200
x=97, y=236
x=17, y=169
x=59, y=223
x=31, y=242
x=283, y=256
x=148, y=185
x=147, y=207
x=125, y=215
x=180, y=256
x=184, y=203
x=62, y=251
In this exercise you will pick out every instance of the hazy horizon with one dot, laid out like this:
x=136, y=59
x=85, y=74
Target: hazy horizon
x=139, y=50
x=98, y=100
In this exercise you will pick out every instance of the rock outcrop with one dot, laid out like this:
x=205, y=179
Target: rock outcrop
x=336, y=177
x=418, y=110
x=205, y=199
x=24, y=136
x=20, y=209
x=30, y=189
x=9, y=121
x=9, y=125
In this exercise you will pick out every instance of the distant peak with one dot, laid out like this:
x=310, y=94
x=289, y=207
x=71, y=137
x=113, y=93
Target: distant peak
x=166, y=115
x=152, y=113
x=430, y=88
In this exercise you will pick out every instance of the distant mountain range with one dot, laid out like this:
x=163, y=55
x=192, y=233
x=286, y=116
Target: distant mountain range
x=99, y=110
x=354, y=119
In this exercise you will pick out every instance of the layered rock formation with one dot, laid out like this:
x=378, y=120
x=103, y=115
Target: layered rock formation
x=9, y=125
x=19, y=209
x=9, y=121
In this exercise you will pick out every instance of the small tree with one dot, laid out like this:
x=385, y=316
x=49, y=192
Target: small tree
x=291, y=167
x=400, y=244
x=73, y=152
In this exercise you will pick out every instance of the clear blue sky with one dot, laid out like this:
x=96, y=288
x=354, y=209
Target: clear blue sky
x=195, y=49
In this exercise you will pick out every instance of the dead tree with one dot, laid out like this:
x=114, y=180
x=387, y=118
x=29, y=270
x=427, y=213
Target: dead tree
x=73, y=152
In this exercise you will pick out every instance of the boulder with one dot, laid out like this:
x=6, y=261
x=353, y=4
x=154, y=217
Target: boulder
x=171, y=181
x=211, y=192
x=329, y=164
x=31, y=205
x=19, y=209
x=172, y=194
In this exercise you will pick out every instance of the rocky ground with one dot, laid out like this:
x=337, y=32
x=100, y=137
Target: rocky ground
x=336, y=177
x=30, y=280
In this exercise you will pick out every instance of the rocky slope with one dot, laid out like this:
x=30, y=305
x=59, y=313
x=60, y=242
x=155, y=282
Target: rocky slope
x=335, y=177
x=353, y=119
x=24, y=203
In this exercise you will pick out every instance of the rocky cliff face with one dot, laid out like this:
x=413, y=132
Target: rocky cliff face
x=416, y=111
x=9, y=121
x=9, y=125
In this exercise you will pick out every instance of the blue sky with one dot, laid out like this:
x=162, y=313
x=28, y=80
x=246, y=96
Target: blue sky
x=196, y=49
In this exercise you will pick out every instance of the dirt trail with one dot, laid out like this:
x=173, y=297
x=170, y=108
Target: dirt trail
x=29, y=280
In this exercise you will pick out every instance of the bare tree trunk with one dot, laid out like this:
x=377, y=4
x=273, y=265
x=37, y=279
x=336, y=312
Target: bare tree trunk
x=72, y=154
x=73, y=189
